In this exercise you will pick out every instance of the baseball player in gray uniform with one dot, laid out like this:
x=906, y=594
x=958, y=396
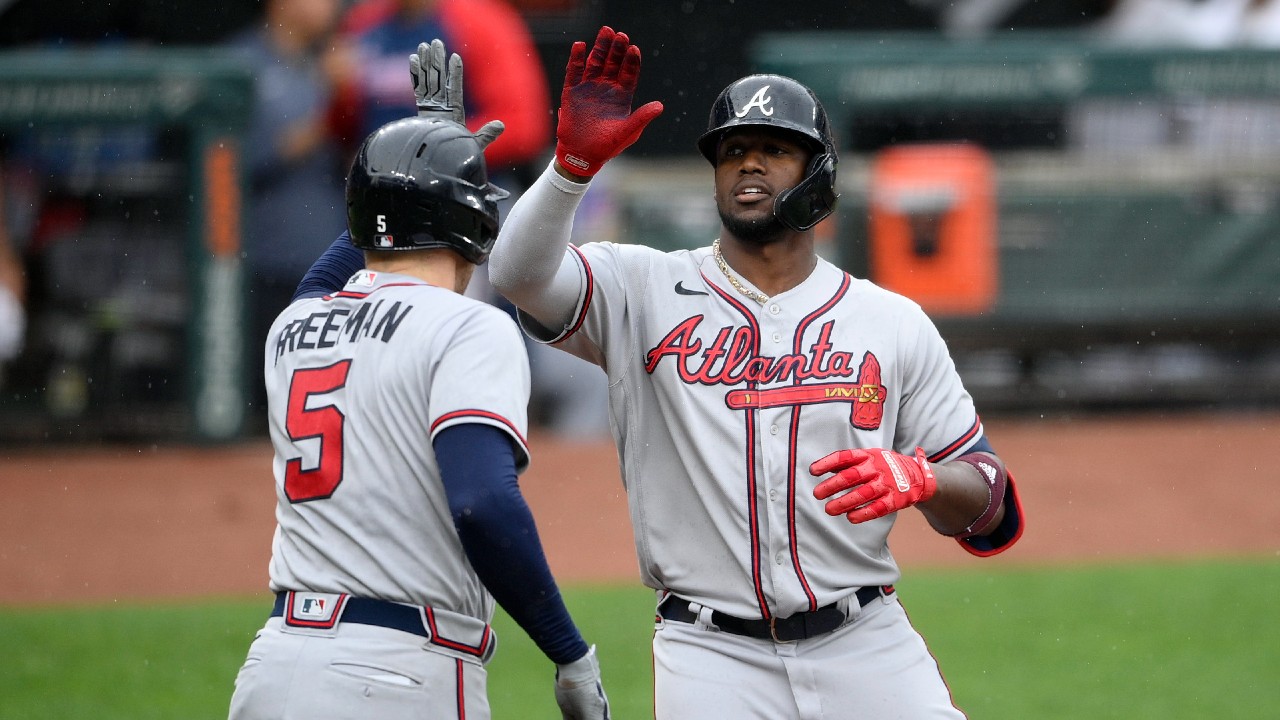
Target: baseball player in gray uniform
x=772, y=413
x=397, y=412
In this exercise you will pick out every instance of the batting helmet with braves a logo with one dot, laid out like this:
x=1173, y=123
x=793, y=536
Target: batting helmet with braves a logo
x=780, y=102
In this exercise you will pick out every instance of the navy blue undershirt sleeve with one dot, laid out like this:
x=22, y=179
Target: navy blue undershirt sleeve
x=498, y=534
x=983, y=445
x=330, y=272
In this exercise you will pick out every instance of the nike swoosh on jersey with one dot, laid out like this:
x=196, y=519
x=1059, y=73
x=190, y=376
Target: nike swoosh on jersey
x=682, y=290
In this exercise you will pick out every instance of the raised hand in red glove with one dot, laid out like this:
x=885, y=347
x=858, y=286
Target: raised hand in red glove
x=595, y=118
x=879, y=482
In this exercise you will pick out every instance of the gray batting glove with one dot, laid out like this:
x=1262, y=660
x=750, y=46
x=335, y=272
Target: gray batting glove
x=437, y=89
x=489, y=132
x=438, y=92
x=579, y=692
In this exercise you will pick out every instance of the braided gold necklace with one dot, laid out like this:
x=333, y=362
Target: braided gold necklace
x=733, y=279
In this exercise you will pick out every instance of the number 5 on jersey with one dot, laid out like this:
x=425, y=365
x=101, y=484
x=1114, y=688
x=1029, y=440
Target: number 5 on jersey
x=325, y=423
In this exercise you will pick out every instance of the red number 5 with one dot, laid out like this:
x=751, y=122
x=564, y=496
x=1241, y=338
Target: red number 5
x=325, y=423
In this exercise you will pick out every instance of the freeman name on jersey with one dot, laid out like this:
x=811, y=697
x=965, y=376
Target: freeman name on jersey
x=341, y=324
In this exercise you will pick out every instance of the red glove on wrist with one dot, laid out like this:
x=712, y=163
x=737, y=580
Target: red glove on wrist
x=595, y=118
x=879, y=482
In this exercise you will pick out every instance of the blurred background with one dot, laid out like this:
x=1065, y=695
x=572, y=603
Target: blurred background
x=1084, y=194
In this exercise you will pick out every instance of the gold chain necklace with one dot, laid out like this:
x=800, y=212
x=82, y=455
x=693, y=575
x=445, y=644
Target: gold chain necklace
x=733, y=279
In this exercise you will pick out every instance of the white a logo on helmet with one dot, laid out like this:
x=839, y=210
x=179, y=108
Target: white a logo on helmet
x=759, y=100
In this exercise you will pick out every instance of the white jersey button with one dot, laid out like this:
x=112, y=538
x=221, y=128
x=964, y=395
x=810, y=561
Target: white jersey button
x=777, y=337
x=773, y=429
x=774, y=309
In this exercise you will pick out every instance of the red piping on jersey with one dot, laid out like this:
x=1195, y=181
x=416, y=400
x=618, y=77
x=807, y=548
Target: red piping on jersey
x=363, y=295
x=462, y=690
x=960, y=442
x=752, y=506
x=586, y=298
x=793, y=439
x=950, y=697
x=479, y=413
x=476, y=650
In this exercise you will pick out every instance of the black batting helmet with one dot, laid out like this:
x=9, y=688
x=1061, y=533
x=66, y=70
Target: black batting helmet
x=421, y=183
x=780, y=102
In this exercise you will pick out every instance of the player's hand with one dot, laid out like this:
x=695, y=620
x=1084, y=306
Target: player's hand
x=437, y=89
x=878, y=481
x=489, y=132
x=579, y=692
x=595, y=118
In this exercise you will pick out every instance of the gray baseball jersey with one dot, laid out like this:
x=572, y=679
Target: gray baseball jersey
x=359, y=383
x=720, y=404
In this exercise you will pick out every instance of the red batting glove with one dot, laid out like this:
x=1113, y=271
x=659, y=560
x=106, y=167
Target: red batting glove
x=595, y=118
x=879, y=482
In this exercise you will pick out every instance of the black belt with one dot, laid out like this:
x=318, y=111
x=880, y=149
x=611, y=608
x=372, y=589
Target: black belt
x=800, y=626
x=368, y=611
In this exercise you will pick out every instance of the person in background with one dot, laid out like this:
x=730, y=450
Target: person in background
x=295, y=163
x=505, y=78
x=1204, y=24
x=13, y=293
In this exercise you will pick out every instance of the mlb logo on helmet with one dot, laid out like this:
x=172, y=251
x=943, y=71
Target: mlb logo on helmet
x=384, y=241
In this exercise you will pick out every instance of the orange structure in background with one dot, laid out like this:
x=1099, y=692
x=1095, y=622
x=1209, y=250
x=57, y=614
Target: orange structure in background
x=933, y=226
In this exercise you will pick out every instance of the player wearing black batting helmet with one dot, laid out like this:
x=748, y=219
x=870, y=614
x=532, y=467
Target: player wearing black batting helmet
x=393, y=394
x=422, y=183
x=780, y=102
x=833, y=403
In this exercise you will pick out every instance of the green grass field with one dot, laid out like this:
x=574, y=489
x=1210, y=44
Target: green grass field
x=1189, y=640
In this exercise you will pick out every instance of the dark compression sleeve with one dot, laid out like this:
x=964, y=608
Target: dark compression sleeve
x=983, y=445
x=330, y=271
x=477, y=464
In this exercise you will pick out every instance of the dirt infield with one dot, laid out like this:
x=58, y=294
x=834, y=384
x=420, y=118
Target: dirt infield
x=82, y=525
